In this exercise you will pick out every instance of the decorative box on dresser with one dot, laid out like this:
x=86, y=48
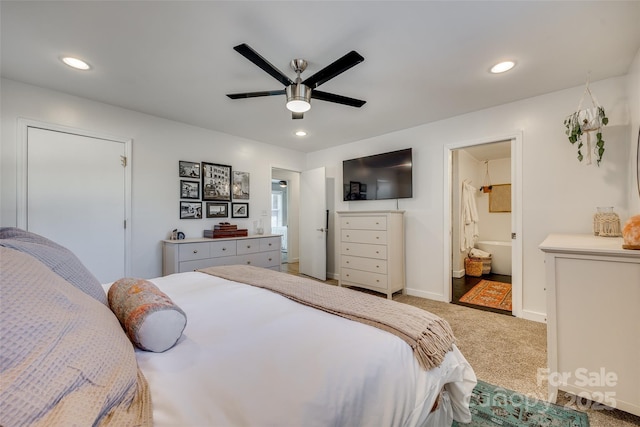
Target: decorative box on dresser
x=192, y=254
x=372, y=250
x=593, y=319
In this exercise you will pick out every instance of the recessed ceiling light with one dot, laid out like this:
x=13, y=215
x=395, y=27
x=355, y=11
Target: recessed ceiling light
x=301, y=133
x=76, y=63
x=502, y=67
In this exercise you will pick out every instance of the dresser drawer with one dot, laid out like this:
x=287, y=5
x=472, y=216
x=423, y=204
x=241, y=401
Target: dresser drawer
x=365, y=236
x=270, y=244
x=248, y=246
x=223, y=248
x=204, y=263
x=364, y=223
x=192, y=251
x=367, y=278
x=365, y=264
x=362, y=250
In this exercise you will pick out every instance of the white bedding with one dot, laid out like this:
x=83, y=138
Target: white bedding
x=249, y=357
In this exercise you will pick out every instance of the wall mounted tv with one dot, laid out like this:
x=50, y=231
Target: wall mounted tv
x=378, y=177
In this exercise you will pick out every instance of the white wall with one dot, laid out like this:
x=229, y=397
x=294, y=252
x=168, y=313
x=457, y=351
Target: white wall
x=158, y=145
x=634, y=112
x=559, y=193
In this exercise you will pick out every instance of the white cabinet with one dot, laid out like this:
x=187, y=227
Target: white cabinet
x=593, y=319
x=372, y=250
x=192, y=254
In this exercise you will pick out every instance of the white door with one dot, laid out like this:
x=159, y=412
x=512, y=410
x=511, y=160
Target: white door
x=75, y=196
x=313, y=224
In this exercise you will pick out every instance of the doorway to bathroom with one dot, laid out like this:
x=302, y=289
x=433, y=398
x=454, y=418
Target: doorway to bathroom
x=484, y=219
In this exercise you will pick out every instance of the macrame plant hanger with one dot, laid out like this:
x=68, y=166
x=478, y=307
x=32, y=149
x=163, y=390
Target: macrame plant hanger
x=486, y=183
x=589, y=118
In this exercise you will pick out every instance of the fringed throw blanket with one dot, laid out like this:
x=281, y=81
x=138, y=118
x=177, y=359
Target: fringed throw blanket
x=429, y=336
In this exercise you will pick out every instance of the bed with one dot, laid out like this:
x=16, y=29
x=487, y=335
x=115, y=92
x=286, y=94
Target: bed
x=247, y=356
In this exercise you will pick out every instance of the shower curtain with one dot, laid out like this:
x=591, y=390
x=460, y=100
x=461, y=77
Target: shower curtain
x=468, y=217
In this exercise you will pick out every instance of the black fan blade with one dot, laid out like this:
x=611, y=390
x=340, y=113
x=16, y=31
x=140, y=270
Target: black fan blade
x=330, y=71
x=253, y=56
x=295, y=116
x=256, y=94
x=339, y=99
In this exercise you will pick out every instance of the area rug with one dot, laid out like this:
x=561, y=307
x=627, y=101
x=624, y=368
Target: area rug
x=488, y=293
x=495, y=406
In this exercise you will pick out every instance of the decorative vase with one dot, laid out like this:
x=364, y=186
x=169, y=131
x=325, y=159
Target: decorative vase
x=631, y=233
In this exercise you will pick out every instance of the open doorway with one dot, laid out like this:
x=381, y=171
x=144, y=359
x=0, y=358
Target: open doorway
x=485, y=253
x=280, y=214
x=481, y=232
x=285, y=213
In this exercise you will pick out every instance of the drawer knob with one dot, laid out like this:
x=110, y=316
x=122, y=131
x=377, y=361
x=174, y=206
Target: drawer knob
x=269, y=244
x=347, y=262
x=269, y=259
x=348, y=236
x=347, y=249
x=347, y=275
x=378, y=280
x=248, y=246
x=377, y=252
x=248, y=262
x=377, y=223
x=195, y=251
x=377, y=237
x=377, y=266
x=224, y=249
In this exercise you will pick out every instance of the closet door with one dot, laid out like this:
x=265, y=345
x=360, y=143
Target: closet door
x=76, y=196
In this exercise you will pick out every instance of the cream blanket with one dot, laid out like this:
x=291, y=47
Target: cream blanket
x=429, y=336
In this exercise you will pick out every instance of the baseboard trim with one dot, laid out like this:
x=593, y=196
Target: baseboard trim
x=427, y=295
x=458, y=274
x=535, y=316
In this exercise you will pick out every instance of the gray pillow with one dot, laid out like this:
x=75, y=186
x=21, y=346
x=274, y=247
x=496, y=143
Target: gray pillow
x=63, y=356
x=58, y=258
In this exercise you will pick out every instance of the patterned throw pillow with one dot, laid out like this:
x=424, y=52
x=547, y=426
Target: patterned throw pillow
x=59, y=259
x=151, y=320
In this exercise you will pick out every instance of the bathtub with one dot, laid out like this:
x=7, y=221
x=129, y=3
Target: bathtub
x=500, y=255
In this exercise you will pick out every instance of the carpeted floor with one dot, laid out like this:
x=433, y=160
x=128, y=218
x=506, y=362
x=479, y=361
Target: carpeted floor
x=505, y=351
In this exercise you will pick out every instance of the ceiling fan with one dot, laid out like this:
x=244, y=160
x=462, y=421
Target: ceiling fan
x=300, y=92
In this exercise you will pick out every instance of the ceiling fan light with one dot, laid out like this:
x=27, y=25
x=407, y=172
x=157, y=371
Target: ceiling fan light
x=298, y=98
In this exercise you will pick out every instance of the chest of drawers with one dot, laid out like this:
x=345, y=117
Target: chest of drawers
x=192, y=254
x=372, y=250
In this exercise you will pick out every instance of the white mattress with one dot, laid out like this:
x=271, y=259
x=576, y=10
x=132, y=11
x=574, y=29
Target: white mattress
x=249, y=357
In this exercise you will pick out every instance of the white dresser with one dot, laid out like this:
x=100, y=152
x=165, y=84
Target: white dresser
x=593, y=319
x=372, y=250
x=192, y=254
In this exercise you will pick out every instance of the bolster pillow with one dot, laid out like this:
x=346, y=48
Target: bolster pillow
x=151, y=320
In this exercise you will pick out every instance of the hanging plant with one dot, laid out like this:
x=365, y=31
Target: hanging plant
x=587, y=121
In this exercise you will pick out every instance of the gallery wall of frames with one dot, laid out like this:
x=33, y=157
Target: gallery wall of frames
x=211, y=190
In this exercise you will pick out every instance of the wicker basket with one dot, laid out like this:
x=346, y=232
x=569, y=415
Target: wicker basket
x=477, y=266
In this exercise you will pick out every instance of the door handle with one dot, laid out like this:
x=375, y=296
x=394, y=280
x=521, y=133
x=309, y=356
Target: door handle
x=320, y=229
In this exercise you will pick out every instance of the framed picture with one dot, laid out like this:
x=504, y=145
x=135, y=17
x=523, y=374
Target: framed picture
x=240, y=185
x=190, y=210
x=217, y=210
x=188, y=169
x=239, y=210
x=216, y=182
x=189, y=189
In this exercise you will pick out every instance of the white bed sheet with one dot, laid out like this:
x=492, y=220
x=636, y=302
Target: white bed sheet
x=250, y=357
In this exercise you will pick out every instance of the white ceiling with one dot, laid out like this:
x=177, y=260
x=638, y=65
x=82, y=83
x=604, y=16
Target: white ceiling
x=424, y=60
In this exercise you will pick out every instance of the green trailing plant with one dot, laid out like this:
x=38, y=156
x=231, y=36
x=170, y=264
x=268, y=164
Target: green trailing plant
x=581, y=122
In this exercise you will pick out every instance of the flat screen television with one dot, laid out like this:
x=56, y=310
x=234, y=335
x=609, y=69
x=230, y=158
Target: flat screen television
x=378, y=177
